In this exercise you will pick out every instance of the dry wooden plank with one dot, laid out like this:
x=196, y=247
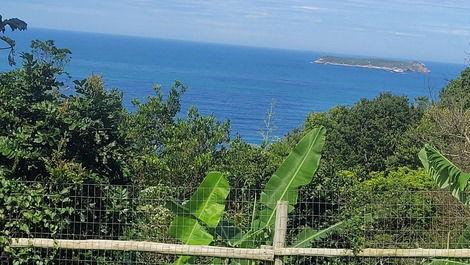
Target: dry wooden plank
x=374, y=252
x=280, y=229
x=172, y=249
x=265, y=253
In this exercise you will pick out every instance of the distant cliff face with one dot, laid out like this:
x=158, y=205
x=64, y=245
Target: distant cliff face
x=388, y=65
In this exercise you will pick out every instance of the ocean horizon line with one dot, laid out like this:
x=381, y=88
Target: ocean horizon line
x=463, y=63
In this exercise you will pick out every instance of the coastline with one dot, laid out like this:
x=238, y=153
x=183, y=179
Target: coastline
x=390, y=69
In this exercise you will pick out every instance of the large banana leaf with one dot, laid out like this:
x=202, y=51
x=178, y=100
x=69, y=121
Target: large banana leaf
x=206, y=205
x=208, y=202
x=189, y=231
x=445, y=173
x=228, y=232
x=296, y=171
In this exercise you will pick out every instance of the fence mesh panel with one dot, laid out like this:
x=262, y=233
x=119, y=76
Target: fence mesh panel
x=341, y=219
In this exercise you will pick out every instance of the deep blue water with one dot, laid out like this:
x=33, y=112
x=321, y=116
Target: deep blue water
x=233, y=82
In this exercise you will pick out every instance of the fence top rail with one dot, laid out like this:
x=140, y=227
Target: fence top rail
x=162, y=248
x=267, y=254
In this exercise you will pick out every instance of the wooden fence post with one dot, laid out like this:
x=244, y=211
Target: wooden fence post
x=280, y=229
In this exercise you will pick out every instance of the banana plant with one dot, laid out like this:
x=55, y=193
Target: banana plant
x=204, y=209
x=447, y=175
x=296, y=171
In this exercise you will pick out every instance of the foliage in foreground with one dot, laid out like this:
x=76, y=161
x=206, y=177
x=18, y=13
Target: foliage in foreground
x=447, y=175
x=86, y=136
x=207, y=203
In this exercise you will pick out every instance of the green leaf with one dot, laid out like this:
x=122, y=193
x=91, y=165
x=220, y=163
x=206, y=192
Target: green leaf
x=176, y=208
x=208, y=202
x=206, y=205
x=296, y=171
x=445, y=173
x=227, y=231
x=189, y=231
x=184, y=260
x=309, y=235
x=217, y=261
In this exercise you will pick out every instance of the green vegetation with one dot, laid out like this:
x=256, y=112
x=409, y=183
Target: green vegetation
x=207, y=206
x=445, y=173
x=389, y=65
x=61, y=140
x=207, y=203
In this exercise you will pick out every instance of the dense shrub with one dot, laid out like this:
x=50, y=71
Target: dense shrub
x=363, y=137
x=457, y=92
x=48, y=136
x=401, y=205
x=31, y=210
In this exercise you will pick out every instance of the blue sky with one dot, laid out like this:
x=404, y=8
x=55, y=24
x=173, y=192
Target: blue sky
x=437, y=30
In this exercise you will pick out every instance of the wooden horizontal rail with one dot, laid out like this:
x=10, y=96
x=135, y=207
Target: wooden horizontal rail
x=374, y=252
x=266, y=253
x=173, y=249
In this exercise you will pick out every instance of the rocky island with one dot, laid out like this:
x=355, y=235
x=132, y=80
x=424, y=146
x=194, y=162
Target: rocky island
x=383, y=64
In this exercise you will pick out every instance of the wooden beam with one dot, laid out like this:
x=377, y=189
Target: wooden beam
x=172, y=249
x=375, y=252
x=266, y=254
x=280, y=229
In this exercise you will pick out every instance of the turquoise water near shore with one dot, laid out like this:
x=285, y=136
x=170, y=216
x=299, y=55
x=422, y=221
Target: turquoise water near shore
x=234, y=82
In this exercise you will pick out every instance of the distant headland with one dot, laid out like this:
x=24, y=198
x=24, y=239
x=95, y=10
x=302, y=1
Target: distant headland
x=383, y=64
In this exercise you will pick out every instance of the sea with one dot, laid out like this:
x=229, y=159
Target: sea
x=239, y=83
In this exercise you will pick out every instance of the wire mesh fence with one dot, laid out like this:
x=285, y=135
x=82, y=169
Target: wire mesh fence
x=350, y=221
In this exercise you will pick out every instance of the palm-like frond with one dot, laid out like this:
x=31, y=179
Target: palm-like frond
x=296, y=171
x=445, y=173
x=206, y=205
